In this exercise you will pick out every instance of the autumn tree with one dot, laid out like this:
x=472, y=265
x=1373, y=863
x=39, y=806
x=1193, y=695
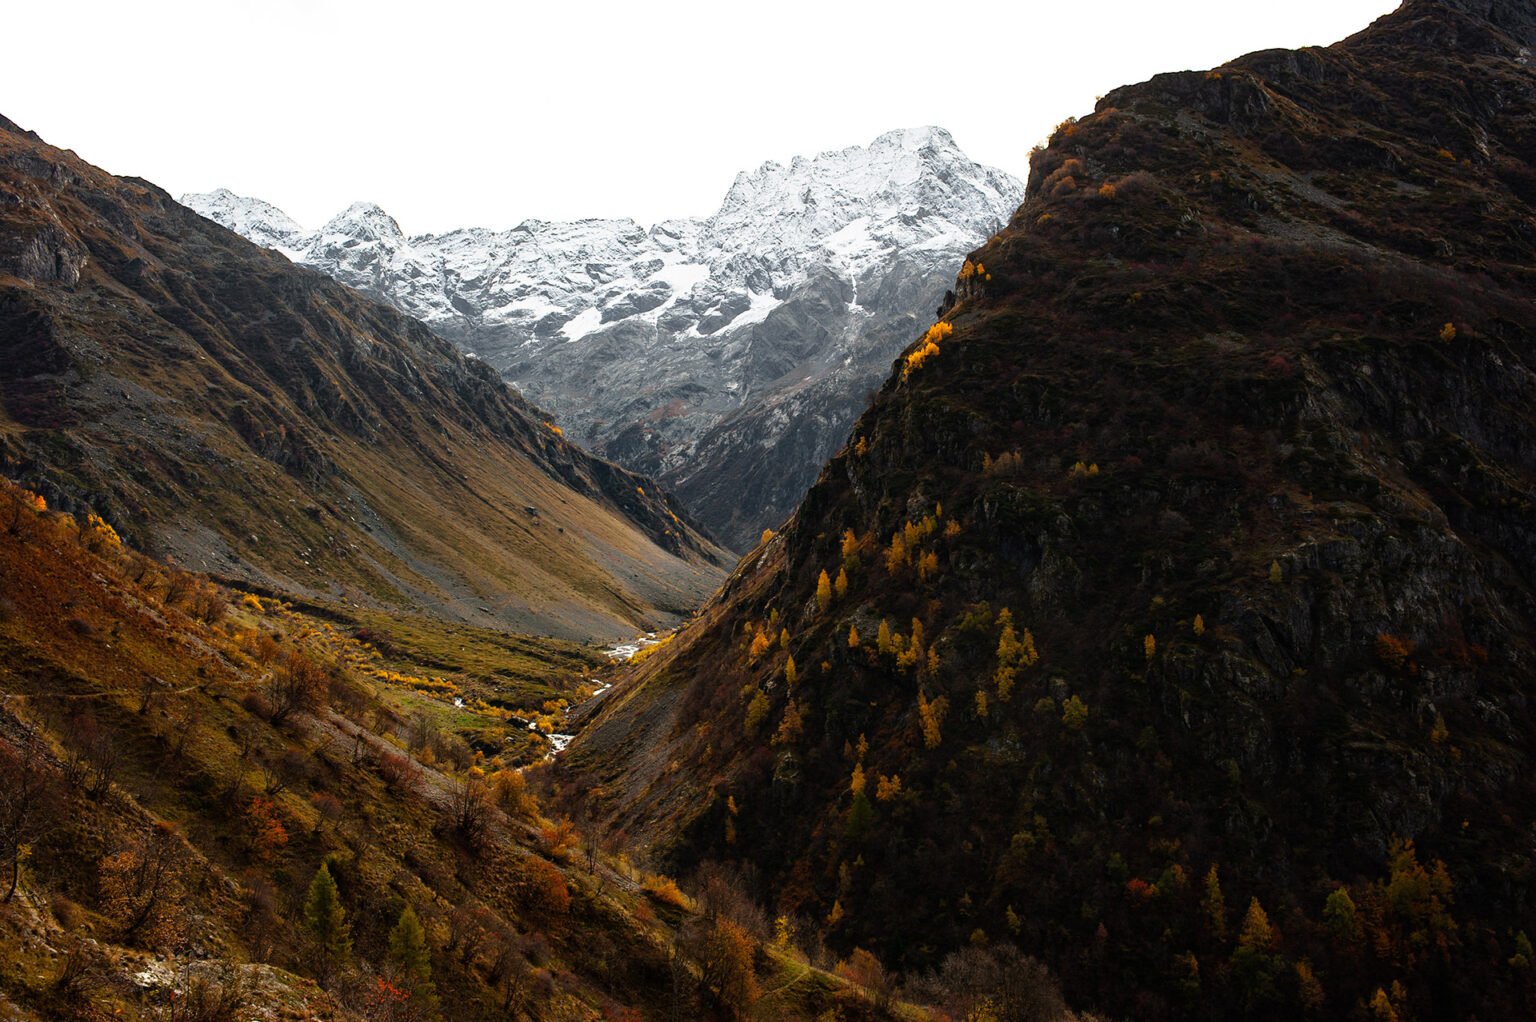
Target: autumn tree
x=911, y=653
x=1340, y=915
x=91, y=755
x=24, y=506
x=297, y=685
x=1013, y=654
x=542, y=887
x=467, y=813
x=726, y=961
x=757, y=711
x=267, y=834
x=141, y=888
x=791, y=675
x=853, y=637
x=1255, y=961
x=409, y=956
x=823, y=591
x=326, y=923
x=760, y=644
x=931, y=718
x=1074, y=714
x=1417, y=900
x=1213, y=905
x=840, y=585
x=28, y=804
x=997, y=983
x=864, y=970
x=790, y=725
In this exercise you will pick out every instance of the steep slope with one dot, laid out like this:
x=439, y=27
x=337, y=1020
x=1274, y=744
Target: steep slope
x=162, y=821
x=1234, y=420
x=259, y=421
x=727, y=355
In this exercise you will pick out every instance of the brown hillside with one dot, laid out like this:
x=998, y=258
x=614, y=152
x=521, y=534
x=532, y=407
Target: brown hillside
x=263, y=423
x=1235, y=420
x=178, y=761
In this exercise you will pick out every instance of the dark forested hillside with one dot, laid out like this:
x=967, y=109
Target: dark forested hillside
x=1170, y=612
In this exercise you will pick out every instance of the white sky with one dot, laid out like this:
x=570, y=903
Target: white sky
x=451, y=113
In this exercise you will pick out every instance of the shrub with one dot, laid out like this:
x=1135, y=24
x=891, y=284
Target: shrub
x=541, y=886
x=665, y=890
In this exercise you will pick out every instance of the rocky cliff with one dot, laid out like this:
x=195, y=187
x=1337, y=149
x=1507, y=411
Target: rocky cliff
x=1170, y=612
x=726, y=355
x=261, y=422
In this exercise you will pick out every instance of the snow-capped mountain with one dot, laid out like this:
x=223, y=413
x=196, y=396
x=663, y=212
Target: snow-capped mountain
x=727, y=355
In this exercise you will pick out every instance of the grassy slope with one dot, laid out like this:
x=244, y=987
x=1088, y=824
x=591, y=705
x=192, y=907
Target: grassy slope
x=261, y=422
x=363, y=783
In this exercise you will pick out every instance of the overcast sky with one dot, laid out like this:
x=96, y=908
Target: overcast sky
x=450, y=113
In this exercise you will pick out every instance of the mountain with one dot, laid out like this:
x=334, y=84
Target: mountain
x=726, y=355
x=1172, y=611
x=260, y=422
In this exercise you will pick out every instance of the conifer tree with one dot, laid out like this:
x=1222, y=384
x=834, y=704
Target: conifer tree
x=840, y=586
x=823, y=590
x=326, y=921
x=408, y=953
x=1255, y=962
x=1214, y=905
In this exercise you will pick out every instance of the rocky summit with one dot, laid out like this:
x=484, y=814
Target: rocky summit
x=727, y=355
x=1172, y=611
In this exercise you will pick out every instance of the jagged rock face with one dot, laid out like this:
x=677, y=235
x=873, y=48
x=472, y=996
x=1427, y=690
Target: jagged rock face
x=1236, y=421
x=261, y=422
x=728, y=355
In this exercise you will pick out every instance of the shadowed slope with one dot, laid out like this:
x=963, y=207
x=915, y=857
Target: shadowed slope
x=1236, y=422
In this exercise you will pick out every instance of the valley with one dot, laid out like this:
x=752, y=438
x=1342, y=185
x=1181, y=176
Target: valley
x=1135, y=615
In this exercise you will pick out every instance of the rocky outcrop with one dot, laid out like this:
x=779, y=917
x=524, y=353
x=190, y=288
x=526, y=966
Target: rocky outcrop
x=727, y=355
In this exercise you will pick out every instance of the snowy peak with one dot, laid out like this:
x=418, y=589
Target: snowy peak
x=899, y=168
x=365, y=221
x=915, y=174
x=725, y=354
x=259, y=221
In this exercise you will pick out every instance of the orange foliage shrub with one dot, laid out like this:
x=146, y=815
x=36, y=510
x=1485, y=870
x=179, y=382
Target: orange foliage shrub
x=664, y=890
x=542, y=887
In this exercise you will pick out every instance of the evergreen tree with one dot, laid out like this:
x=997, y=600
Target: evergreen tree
x=408, y=953
x=326, y=921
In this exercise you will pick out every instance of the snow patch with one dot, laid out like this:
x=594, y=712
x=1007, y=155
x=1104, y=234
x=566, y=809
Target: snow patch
x=584, y=324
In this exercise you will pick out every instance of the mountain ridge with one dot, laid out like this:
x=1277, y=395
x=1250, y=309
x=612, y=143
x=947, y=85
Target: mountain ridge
x=726, y=355
x=261, y=422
